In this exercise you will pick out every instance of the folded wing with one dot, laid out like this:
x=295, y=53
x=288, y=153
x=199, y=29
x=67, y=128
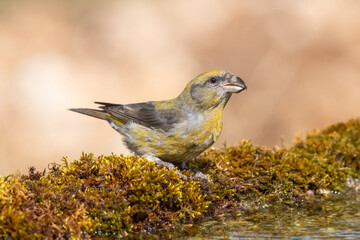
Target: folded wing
x=146, y=114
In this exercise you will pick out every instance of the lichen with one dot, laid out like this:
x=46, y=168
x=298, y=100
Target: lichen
x=117, y=196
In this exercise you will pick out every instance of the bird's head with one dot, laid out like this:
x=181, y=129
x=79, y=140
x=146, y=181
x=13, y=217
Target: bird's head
x=212, y=89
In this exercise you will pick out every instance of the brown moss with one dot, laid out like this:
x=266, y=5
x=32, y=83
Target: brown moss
x=323, y=162
x=116, y=196
x=107, y=196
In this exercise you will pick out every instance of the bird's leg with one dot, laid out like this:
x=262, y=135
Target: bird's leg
x=160, y=162
x=181, y=165
x=197, y=174
x=167, y=165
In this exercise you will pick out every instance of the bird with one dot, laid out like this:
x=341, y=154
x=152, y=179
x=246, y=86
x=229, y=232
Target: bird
x=172, y=132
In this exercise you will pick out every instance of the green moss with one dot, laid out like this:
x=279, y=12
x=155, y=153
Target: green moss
x=323, y=162
x=116, y=196
x=106, y=196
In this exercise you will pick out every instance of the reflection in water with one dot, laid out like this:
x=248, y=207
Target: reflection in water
x=338, y=219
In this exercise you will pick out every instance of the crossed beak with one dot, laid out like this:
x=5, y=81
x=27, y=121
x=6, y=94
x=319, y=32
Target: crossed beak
x=235, y=85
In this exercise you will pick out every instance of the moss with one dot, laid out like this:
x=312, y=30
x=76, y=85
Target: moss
x=116, y=196
x=323, y=162
x=105, y=196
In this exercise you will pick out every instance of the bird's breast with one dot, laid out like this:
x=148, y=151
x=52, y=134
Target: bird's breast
x=202, y=129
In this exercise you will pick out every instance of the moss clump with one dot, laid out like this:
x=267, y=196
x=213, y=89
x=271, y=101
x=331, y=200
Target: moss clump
x=104, y=196
x=116, y=196
x=322, y=163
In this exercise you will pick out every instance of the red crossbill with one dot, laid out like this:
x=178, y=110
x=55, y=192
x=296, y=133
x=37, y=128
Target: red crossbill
x=178, y=129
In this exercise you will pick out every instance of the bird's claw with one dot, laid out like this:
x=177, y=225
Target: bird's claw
x=180, y=166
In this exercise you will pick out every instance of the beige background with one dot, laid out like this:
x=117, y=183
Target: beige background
x=300, y=60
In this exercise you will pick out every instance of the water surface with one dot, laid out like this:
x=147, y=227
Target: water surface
x=336, y=219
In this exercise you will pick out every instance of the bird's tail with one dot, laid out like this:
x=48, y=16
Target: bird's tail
x=91, y=112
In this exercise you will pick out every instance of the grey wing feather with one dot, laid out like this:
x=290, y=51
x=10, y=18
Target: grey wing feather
x=145, y=114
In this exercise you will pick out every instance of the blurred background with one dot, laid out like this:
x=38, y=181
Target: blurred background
x=300, y=60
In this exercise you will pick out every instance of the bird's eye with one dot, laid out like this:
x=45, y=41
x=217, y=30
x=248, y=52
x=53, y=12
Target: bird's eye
x=213, y=80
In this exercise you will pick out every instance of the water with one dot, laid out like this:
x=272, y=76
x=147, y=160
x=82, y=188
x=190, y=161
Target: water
x=337, y=219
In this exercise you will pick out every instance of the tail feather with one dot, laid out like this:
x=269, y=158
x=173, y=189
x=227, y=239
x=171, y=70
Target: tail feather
x=91, y=112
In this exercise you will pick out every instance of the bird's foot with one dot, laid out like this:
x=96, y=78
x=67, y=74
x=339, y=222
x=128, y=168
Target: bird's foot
x=196, y=173
x=167, y=165
x=181, y=165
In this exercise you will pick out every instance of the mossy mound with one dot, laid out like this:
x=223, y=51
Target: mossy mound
x=115, y=196
x=104, y=196
x=327, y=161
